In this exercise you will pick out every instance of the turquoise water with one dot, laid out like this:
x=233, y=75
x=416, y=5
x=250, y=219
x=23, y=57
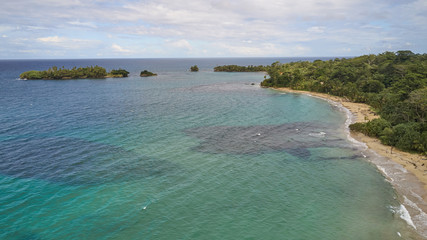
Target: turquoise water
x=181, y=156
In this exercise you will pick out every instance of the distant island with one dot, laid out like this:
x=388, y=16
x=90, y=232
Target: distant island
x=194, y=68
x=393, y=84
x=236, y=68
x=55, y=73
x=118, y=73
x=146, y=73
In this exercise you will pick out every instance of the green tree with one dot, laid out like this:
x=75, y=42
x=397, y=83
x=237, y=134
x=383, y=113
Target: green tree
x=372, y=86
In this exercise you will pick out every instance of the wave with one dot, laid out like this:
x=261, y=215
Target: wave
x=403, y=214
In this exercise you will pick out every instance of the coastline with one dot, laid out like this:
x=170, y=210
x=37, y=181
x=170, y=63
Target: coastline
x=407, y=172
x=414, y=163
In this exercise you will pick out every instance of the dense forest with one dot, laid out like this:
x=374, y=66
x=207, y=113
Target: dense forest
x=236, y=68
x=393, y=84
x=55, y=73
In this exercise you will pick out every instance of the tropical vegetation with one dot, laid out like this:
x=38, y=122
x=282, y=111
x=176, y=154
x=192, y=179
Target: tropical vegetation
x=194, y=68
x=55, y=73
x=394, y=84
x=118, y=73
x=146, y=73
x=236, y=68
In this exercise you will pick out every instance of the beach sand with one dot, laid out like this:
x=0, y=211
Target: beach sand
x=414, y=163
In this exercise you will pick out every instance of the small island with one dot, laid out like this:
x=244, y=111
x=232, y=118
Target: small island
x=118, y=73
x=194, y=68
x=236, y=68
x=55, y=73
x=146, y=73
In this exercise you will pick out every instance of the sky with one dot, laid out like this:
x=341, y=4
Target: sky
x=57, y=29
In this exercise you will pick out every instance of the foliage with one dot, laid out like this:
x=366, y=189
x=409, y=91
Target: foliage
x=394, y=84
x=118, y=73
x=146, y=73
x=194, y=68
x=62, y=73
x=236, y=68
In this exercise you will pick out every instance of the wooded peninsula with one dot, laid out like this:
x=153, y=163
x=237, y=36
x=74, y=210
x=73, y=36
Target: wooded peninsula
x=393, y=84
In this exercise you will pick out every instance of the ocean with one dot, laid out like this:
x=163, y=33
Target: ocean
x=183, y=155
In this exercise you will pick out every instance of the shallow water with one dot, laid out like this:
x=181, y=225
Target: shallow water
x=181, y=156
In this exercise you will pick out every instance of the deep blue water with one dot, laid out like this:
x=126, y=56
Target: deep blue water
x=182, y=155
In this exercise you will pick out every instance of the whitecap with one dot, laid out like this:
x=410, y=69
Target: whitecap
x=382, y=170
x=404, y=214
x=319, y=134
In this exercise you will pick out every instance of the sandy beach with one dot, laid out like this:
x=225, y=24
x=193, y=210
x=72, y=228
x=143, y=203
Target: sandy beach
x=414, y=163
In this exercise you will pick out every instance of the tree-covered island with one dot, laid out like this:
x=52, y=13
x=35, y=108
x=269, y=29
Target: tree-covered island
x=194, y=68
x=236, y=68
x=147, y=73
x=118, y=73
x=55, y=73
x=393, y=84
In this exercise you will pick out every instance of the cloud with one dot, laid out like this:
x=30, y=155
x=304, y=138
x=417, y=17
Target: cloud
x=82, y=24
x=5, y=28
x=251, y=27
x=316, y=29
x=54, y=39
x=119, y=49
x=68, y=43
x=184, y=44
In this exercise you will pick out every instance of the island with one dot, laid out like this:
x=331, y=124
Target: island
x=146, y=73
x=194, y=68
x=236, y=68
x=118, y=73
x=55, y=73
x=394, y=85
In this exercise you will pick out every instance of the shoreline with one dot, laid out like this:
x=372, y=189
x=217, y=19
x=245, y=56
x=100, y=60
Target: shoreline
x=407, y=172
x=414, y=163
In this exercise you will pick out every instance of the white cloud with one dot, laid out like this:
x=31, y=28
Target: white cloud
x=54, y=39
x=184, y=44
x=119, y=49
x=343, y=50
x=68, y=43
x=251, y=27
x=316, y=29
x=250, y=50
x=301, y=50
x=82, y=24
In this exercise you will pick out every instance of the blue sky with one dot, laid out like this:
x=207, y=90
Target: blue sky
x=39, y=29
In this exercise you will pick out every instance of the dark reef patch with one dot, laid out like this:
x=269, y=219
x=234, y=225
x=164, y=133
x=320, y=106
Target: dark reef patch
x=294, y=138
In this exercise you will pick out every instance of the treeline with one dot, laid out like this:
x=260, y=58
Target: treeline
x=236, y=68
x=394, y=84
x=55, y=73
